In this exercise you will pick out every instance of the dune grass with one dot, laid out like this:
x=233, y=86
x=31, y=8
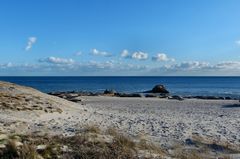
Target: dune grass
x=91, y=143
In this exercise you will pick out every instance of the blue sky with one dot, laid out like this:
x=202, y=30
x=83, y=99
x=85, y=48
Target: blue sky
x=120, y=37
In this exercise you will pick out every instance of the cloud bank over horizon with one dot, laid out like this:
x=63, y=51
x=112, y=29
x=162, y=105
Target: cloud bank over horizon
x=67, y=66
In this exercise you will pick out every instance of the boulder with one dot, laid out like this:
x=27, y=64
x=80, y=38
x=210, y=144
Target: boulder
x=75, y=99
x=72, y=95
x=159, y=89
x=176, y=97
x=228, y=98
x=128, y=95
x=109, y=91
x=150, y=95
x=189, y=142
x=209, y=97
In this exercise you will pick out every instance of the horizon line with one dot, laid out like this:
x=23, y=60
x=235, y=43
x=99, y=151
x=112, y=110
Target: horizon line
x=127, y=76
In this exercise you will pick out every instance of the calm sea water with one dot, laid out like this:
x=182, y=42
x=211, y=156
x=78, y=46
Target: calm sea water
x=218, y=86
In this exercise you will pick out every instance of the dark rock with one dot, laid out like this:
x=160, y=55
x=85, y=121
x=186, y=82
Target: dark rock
x=188, y=97
x=39, y=124
x=228, y=98
x=159, y=89
x=70, y=129
x=163, y=96
x=71, y=95
x=86, y=94
x=216, y=147
x=189, y=142
x=209, y=97
x=72, y=92
x=128, y=95
x=117, y=94
x=109, y=91
x=75, y=99
x=55, y=93
x=176, y=97
x=151, y=95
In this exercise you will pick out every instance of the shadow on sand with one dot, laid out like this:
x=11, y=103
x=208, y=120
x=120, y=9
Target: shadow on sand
x=232, y=106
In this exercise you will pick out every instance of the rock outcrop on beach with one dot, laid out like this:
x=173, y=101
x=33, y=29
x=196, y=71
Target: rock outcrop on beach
x=109, y=92
x=180, y=98
x=158, y=89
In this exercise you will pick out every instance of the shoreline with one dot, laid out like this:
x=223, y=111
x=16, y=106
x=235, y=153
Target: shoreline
x=71, y=94
x=181, y=86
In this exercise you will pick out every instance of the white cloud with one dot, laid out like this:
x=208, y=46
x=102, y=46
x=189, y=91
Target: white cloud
x=100, y=53
x=6, y=65
x=62, y=66
x=136, y=55
x=192, y=68
x=162, y=57
x=115, y=67
x=125, y=54
x=31, y=41
x=100, y=65
x=228, y=65
x=57, y=60
x=190, y=65
x=139, y=55
x=237, y=42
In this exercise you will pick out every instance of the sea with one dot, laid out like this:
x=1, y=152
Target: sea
x=185, y=86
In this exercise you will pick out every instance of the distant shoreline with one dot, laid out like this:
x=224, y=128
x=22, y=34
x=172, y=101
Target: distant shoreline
x=72, y=94
x=123, y=76
x=177, y=85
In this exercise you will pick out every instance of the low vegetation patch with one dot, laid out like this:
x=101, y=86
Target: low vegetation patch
x=23, y=102
x=92, y=143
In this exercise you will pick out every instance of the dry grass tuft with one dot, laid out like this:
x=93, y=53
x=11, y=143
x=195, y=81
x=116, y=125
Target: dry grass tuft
x=92, y=129
x=10, y=151
x=28, y=152
x=87, y=145
x=150, y=147
x=112, y=131
x=192, y=154
x=80, y=146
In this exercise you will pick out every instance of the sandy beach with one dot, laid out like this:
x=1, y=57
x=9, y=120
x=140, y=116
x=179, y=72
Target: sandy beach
x=163, y=119
x=166, y=122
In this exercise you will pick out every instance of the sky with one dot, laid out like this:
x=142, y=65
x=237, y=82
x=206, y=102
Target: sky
x=119, y=38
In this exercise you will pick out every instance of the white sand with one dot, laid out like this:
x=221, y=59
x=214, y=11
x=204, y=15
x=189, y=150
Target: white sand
x=161, y=120
x=164, y=120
